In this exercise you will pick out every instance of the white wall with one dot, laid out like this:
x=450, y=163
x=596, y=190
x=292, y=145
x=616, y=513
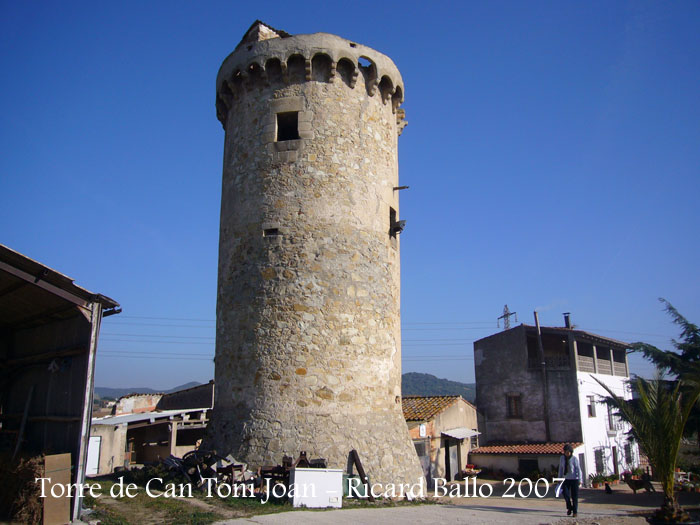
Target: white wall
x=595, y=430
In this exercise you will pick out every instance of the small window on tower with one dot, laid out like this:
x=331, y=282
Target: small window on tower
x=287, y=126
x=392, y=222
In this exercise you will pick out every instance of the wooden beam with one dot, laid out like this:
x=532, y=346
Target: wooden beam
x=20, y=435
x=28, y=321
x=44, y=285
x=46, y=356
x=89, y=390
x=12, y=288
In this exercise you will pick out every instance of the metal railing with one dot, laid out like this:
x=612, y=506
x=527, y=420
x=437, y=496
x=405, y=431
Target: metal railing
x=552, y=362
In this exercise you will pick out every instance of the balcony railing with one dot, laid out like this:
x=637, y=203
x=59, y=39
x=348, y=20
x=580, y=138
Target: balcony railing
x=614, y=426
x=619, y=368
x=585, y=364
x=552, y=362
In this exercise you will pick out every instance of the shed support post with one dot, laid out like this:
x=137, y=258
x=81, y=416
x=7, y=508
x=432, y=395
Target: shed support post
x=86, y=419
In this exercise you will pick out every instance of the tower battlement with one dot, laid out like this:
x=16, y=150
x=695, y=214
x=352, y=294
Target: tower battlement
x=282, y=59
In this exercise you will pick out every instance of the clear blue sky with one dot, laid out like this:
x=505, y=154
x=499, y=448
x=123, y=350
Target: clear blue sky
x=552, y=154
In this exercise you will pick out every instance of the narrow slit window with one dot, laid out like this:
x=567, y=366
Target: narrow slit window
x=392, y=222
x=271, y=232
x=287, y=126
x=591, y=406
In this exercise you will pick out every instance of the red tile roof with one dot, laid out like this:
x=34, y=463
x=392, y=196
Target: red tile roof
x=524, y=448
x=423, y=408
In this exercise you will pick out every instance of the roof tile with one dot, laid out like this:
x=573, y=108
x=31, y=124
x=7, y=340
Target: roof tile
x=524, y=448
x=423, y=408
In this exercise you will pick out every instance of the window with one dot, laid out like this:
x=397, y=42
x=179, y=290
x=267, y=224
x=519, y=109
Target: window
x=611, y=419
x=474, y=440
x=591, y=406
x=392, y=222
x=527, y=467
x=599, y=465
x=628, y=453
x=514, y=406
x=421, y=448
x=287, y=126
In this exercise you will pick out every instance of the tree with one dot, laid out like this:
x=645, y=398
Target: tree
x=679, y=362
x=658, y=418
x=688, y=348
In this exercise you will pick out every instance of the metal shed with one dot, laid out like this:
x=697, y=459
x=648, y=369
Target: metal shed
x=49, y=329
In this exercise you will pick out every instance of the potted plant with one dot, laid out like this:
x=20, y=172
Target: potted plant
x=596, y=480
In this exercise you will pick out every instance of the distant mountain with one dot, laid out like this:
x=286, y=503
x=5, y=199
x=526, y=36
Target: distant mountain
x=114, y=393
x=417, y=384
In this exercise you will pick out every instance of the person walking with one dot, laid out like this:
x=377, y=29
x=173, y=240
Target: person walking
x=570, y=470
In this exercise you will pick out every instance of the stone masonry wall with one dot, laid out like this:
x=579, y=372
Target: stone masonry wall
x=308, y=353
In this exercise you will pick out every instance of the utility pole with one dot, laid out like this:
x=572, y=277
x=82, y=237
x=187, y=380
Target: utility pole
x=545, y=386
x=506, y=318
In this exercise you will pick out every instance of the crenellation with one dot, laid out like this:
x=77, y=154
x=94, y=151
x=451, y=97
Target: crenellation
x=291, y=62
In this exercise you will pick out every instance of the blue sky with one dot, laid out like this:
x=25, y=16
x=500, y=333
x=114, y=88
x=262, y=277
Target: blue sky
x=552, y=154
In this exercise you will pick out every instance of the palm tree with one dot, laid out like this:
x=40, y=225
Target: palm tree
x=658, y=418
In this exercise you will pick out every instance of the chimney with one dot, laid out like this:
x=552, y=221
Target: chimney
x=567, y=319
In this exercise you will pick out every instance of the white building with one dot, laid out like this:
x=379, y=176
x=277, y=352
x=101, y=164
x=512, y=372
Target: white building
x=534, y=399
x=607, y=449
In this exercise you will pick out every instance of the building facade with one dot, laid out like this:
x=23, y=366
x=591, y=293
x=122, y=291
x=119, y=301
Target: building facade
x=550, y=395
x=308, y=345
x=443, y=429
x=147, y=427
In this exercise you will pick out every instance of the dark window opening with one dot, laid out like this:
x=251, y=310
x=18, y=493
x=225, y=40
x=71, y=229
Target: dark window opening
x=591, y=406
x=555, y=348
x=599, y=460
x=271, y=232
x=628, y=453
x=514, y=407
x=421, y=448
x=527, y=467
x=287, y=126
x=345, y=69
x=392, y=222
x=611, y=419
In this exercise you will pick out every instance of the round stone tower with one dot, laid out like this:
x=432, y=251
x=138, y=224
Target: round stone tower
x=308, y=345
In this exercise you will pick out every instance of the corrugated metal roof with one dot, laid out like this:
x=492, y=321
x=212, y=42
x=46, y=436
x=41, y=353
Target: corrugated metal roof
x=143, y=416
x=40, y=272
x=461, y=432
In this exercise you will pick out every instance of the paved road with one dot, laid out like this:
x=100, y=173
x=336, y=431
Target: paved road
x=487, y=511
x=433, y=514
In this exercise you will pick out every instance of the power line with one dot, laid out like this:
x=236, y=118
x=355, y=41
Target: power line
x=158, y=342
x=128, y=323
x=214, y=320
x=161, y=335
x=109, y=356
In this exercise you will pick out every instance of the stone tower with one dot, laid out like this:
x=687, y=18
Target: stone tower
x=308, y=345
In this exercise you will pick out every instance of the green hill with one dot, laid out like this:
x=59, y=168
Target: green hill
x=417, y=384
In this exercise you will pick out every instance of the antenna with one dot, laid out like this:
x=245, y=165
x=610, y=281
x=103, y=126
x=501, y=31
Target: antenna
x=506, y=318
